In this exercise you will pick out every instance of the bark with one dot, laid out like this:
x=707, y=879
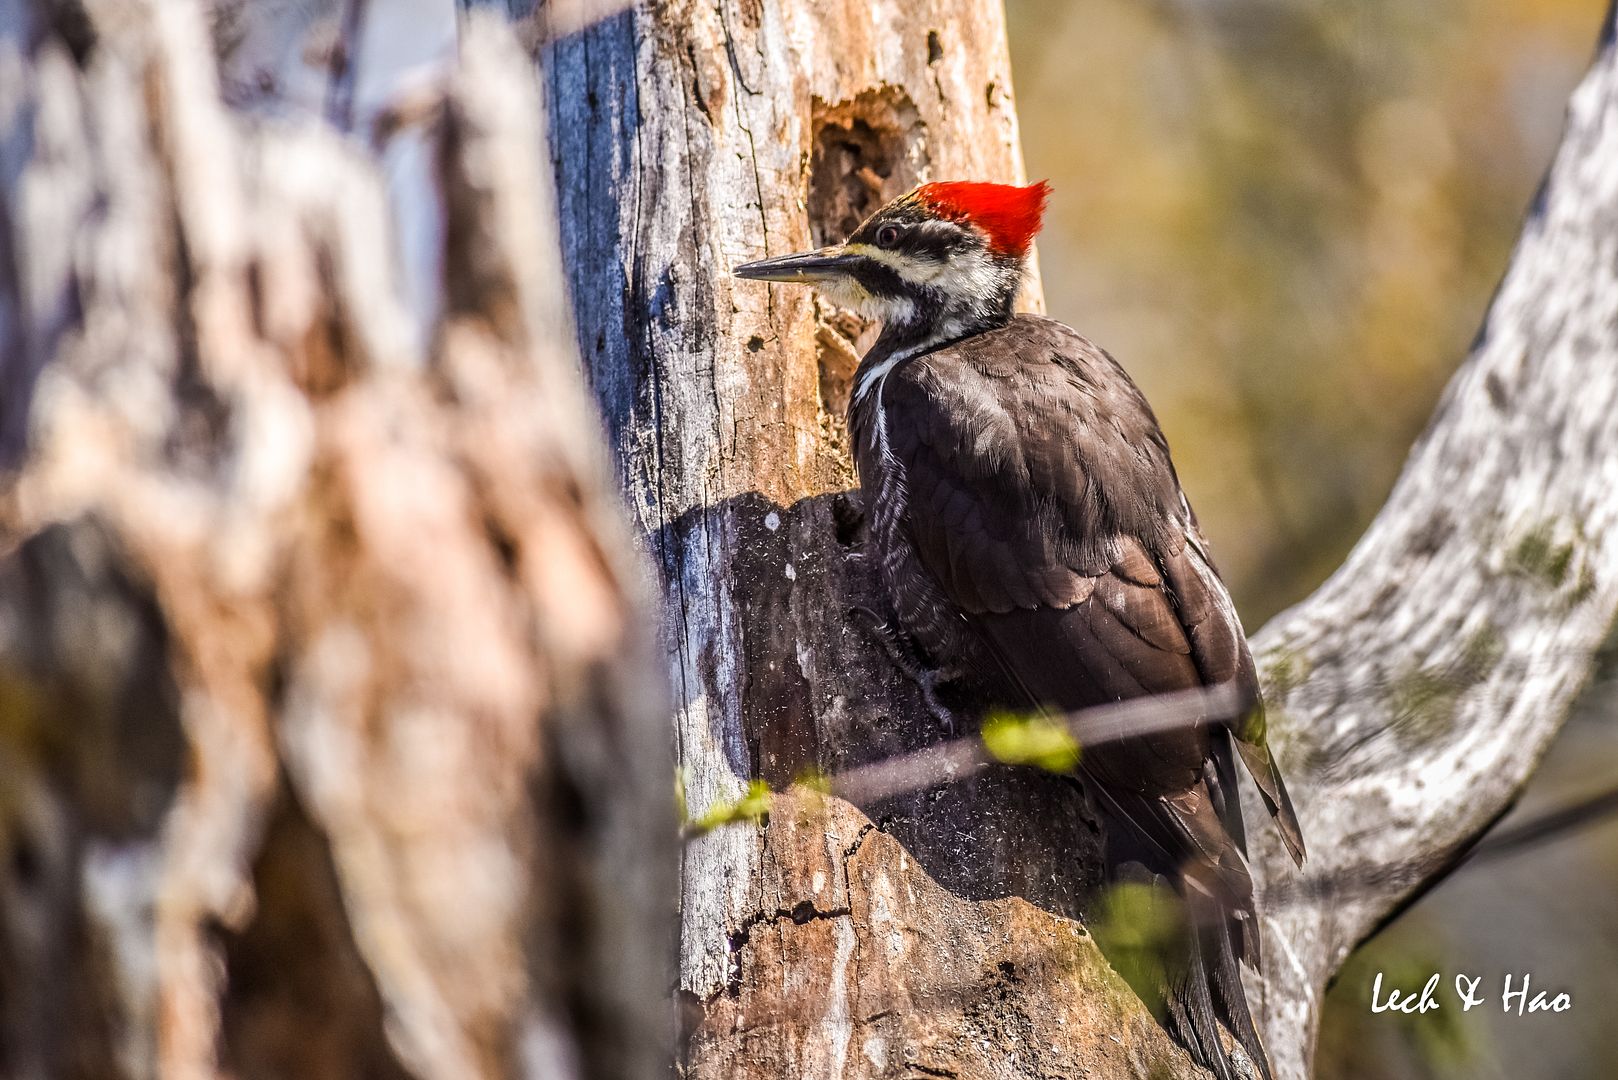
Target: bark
x=942, y=932
x=330, y=729
x=688, y=139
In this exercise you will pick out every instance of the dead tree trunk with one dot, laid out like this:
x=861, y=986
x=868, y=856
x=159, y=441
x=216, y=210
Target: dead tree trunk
x=941, y=933
x=932, y=932
x=331, y=737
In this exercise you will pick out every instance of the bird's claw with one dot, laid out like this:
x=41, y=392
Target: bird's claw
x=903, y=652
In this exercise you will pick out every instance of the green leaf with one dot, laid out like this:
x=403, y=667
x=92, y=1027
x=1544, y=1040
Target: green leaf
x=1143, y=932
x=753, y=805
x=1037, y=740
x=813, y=780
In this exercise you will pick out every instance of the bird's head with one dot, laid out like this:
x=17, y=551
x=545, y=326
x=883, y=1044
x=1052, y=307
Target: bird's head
x=945, y=253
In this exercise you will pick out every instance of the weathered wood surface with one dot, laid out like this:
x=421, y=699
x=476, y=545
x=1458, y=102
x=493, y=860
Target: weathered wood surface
x=330, y=726
x=688, y=138
x=1414, y=692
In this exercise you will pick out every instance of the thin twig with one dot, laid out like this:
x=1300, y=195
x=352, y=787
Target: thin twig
x=1372, y=879
x=960, y=758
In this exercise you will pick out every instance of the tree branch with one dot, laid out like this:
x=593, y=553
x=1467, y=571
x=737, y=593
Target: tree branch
x=1417, y=689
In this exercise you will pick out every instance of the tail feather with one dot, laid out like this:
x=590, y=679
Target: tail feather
x=1201, y=989
x=1194, y=983
x=1208, y=993
x=1191, y=1011
x=1261, y=765
x=1221, y=943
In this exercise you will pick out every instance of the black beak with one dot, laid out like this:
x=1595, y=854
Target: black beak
x=806, y=266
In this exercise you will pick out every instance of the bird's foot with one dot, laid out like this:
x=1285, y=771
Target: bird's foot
x=903, y=652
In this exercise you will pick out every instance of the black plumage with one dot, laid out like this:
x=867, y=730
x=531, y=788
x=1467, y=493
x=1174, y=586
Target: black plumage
x=1035, y=543
x=1043, y=545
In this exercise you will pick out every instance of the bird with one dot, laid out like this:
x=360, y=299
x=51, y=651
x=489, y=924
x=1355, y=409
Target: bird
x=1033, y=541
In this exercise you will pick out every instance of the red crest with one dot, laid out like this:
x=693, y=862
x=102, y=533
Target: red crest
x=1010, y=215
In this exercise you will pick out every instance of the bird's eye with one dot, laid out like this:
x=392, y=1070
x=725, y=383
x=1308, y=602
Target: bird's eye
x=887, y=236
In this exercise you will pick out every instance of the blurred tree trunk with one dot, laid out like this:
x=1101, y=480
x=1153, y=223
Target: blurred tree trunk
x=942, y=932
x=332, y=742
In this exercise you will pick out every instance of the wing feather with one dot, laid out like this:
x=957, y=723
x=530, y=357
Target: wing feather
x=1043, y=501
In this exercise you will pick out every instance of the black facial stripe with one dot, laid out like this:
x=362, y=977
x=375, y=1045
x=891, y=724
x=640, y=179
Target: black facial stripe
x=921, y=237
x=880, y=279
x=938, y=241
x=925, y=242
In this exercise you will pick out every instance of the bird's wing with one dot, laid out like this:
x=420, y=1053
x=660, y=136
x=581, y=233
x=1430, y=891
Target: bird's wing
x=1040, y=495
x=1042, y=499
x=1221, y=652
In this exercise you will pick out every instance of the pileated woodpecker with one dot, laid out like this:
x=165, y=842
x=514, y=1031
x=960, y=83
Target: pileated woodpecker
x=1034, y=542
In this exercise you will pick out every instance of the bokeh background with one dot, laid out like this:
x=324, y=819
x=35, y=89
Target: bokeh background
x=1286, y=218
